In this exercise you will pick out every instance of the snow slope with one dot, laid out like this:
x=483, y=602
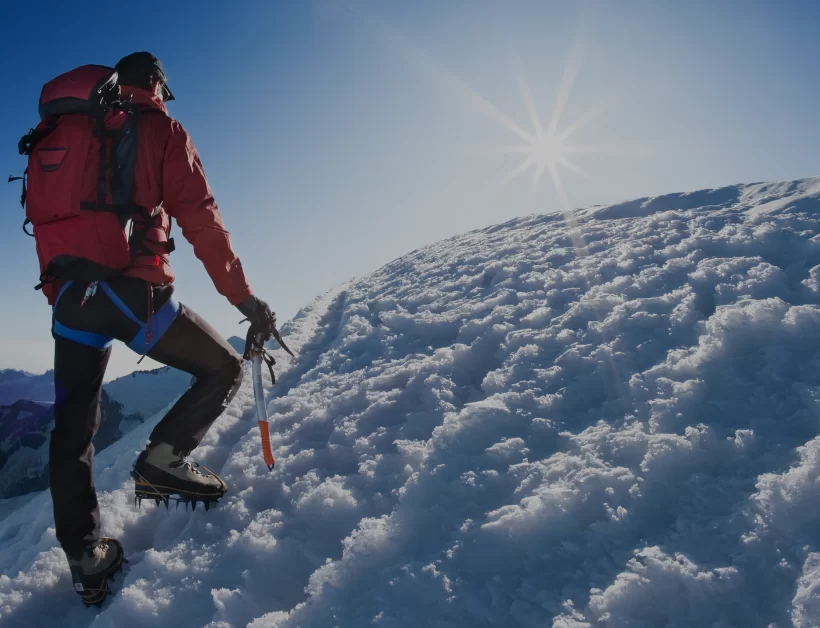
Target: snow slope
x=605, y=421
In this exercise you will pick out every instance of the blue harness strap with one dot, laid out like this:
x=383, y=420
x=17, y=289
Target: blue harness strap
x=87, y=338
x=159, y=324
x=60, y=293
x=147, y=337
x=121, y=306
x=151, y=331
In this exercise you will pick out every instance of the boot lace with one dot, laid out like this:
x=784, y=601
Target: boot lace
x=101, y=545
x=186, y=463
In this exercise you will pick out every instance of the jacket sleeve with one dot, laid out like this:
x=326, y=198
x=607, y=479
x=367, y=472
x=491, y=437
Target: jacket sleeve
x=187, y=197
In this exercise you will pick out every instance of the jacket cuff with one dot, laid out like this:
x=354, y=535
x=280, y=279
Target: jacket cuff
x=237, y=297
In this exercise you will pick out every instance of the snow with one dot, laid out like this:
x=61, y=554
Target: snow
x=606, y=421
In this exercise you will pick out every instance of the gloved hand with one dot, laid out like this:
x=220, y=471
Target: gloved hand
x=263, y=320
x=263, y=326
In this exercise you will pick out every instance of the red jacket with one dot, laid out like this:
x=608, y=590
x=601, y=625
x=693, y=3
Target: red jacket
x=169, y=176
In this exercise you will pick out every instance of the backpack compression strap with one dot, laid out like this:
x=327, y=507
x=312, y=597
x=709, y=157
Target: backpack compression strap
x=25, y=147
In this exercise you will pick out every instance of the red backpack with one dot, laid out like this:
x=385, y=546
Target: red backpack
x=77, y=186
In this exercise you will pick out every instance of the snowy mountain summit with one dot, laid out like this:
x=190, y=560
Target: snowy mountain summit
x=608, y=420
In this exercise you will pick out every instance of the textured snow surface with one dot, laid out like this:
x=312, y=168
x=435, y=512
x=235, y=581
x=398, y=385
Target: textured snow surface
x=609, y=421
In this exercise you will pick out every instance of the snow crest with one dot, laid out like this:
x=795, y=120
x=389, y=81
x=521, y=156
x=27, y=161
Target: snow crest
x=605, y=421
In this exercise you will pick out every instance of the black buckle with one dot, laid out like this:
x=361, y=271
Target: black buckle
x=26, y=143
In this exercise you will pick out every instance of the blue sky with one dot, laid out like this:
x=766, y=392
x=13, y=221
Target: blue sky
x=338, y=136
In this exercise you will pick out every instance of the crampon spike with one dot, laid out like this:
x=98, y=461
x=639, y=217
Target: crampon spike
x=193, y=504
x=158, y=497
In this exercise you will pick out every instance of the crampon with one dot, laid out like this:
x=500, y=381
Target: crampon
x=144, y=490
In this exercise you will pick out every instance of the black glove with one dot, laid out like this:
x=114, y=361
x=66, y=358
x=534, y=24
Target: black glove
x=263, y=321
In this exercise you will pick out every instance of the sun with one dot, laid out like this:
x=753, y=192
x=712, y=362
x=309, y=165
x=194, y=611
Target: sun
x=545, y=148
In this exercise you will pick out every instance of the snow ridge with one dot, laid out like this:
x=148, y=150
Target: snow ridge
x=608, y=421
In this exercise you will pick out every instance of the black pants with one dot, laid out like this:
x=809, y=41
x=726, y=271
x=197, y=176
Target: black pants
x=174, y=336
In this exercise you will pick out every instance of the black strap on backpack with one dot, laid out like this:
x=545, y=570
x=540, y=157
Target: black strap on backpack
x=23, y=194
x=25, y=147
x=124, y=160
x=118, y=160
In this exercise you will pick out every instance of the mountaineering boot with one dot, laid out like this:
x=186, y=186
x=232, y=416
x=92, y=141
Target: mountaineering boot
x=162, y=471
x=91, y=569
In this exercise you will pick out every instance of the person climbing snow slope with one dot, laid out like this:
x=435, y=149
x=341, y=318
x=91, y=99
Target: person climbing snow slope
x=108, y=170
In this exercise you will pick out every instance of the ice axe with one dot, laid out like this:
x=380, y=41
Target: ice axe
x=255, y=352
